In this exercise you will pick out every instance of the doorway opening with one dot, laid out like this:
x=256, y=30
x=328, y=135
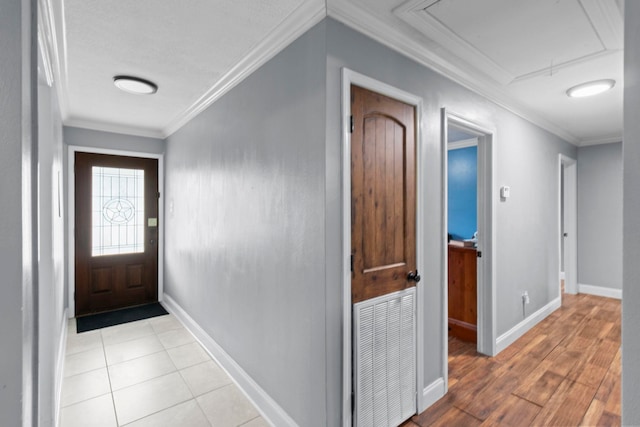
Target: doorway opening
x=470, y=261
x=568, y=225
x=462, y=233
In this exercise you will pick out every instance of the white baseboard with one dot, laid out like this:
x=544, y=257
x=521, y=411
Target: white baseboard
x=600, y=291
x=562, y=275
x=270, y=410
x=432, y=393
x=509, y=337
x=61, y=354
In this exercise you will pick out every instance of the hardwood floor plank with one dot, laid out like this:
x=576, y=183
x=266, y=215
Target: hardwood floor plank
x=454, y=417
x=563, y=360
x=504, y=381
x=594, y=413
x=539, y=386
x=563, y=372
x=567, y=406
x=591, y=375
x=609, y=420
x=605, y=353
x=513, y=412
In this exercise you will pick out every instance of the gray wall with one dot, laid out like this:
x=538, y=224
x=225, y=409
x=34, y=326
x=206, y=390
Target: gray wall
x=631, y=219
x=51, y=213
x=245, y=226
x=527, y=160
x=600, y=215
x=18, y=152
x=113, y=141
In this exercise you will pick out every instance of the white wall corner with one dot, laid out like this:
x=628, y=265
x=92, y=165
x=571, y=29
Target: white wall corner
x=268, y=408
x=432, y=393
x=59, y=374
x=600, y=291
x=562, y=275
x=509, y=337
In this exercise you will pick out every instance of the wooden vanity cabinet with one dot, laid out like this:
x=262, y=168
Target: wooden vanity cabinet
x=463, y=317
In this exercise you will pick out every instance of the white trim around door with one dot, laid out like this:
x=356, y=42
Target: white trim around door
x=350, y=77
x=570, y=213
x=487, y=199
x=71, y=216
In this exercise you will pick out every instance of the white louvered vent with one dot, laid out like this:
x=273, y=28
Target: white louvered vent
x=384, y=359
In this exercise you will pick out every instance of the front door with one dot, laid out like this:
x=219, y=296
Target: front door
x=116, y=232
x=383, y=195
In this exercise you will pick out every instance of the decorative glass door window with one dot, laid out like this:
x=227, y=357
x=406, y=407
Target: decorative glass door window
x=117, y=210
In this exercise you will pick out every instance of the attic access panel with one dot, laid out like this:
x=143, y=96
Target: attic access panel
x=514, y=39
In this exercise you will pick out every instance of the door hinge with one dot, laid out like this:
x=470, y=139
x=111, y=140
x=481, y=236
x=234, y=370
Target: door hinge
x=158, y=194
x=479, y=253
x=351, y=126
x=352, y=263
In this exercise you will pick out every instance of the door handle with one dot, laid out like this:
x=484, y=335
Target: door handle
x=414, y=276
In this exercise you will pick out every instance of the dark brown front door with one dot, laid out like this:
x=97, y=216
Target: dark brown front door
x=116, y=232
x=383, y=195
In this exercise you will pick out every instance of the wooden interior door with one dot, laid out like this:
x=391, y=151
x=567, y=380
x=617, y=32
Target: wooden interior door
x=383, y=195
x=116, y=232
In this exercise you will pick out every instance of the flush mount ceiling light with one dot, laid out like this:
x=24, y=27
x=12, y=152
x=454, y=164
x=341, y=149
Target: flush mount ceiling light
x=591, y=88
x=135, y=85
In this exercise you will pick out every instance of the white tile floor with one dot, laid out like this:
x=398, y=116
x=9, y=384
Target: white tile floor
x=150, y=373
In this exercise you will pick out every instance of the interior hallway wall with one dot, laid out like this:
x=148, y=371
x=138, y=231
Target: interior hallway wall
x=18, y=228
x=51, y=214
x=245, y=226
x=631, y=218
x=600, y=215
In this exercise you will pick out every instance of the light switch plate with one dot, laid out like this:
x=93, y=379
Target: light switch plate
x=505, y=192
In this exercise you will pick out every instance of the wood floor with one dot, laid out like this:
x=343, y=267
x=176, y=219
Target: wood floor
x=563, y=372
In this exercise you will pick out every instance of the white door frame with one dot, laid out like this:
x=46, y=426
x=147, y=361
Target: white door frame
x=350, y=77
x=487, y=199
x=71, y=216
x=570, y=167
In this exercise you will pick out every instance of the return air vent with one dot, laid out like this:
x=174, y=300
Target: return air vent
x=385, y=359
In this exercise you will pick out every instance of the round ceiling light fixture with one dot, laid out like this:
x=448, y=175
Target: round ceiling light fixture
x=135, y=85
x=591, y=88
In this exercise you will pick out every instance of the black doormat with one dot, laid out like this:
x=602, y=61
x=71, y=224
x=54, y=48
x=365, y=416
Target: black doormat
x=118, y=317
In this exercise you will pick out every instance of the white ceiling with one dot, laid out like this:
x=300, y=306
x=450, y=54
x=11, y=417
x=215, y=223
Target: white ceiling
x=522, y=54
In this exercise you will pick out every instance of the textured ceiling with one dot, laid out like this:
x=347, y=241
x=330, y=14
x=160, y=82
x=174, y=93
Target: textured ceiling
x=522, y=54
x=185, y=47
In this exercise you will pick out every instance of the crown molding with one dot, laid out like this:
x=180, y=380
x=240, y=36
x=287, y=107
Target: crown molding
x=606, y=140
x=112, y=127
x=51, y=38
x=298, y=22
x=372, y=26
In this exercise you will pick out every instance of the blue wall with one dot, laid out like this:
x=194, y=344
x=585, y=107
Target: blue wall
x=463, y=187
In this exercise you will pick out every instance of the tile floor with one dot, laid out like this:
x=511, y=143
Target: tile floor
x=150, y=373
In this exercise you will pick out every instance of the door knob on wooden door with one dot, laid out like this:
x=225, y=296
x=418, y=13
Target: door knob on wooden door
x=414, y=276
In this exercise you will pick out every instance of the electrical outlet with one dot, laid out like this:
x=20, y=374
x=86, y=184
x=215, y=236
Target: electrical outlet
x=525, y=297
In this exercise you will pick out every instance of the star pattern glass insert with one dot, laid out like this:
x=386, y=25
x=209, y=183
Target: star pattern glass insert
x=117, y=211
